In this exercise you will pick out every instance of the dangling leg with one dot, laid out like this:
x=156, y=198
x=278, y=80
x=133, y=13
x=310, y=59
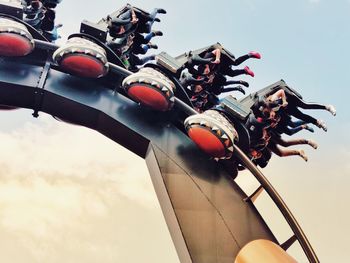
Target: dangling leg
x=187, y=79
x=290, y=131
x=284, y=153
x=237, y=88
x=299, y=124
x=147, y=58
x=296, y=123
x=235, y=72
x=309, y=106
x=240, y=82
x=151, y=35
x=136, y=61
x=243, y=58
x=142, y=49
x=148, y=46
x=307, y=118
x=285, y=143
x=153, y=18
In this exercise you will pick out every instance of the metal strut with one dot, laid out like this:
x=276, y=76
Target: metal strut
x=39, y=93
x=298, y=232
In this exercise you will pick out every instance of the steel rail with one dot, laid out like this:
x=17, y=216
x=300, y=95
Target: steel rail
x=277, y=199
x=306, y=246
x=267, y=186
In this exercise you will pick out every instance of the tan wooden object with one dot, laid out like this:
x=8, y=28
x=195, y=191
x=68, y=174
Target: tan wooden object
x=263, y=251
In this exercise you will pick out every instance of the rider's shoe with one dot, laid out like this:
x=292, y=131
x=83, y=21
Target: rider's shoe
x=150, y=45
x=248, y=71
x=254, y=54
x=331, y=109
x=157, y=33
x=312, y=144
x=161, y=11
x=321, y=124
x=244, y=83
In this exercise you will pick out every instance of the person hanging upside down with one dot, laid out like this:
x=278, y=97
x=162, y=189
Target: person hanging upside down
x=284, y=153
x=277, y=138
x=287, y=126
x=293, y=102
x=226, y=61
x=132, y=19
x=206, y=64
x=124, y=24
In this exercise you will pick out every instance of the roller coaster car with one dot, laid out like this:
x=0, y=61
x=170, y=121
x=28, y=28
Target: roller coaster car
x=226, y=58
x=249, y=100
x=82, y=57
x=15, y=38
x=157, y=85
x=214, y=131
x=86, y=55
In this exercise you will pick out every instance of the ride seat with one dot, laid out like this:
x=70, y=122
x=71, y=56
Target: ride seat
x=235, y=108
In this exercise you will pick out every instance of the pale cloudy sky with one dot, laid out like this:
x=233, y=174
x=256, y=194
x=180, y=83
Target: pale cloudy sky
x=73, y=194
x=65, y=200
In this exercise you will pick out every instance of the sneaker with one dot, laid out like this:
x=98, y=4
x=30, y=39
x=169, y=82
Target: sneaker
x=161, y=11
x=248, y=71
x=321, y=124
x=150, y=45
x=303, y=155
x=240, y=89
x=331, y=109
x=157, y=33
x=312, y=144
x=244, y=83
x=156, y=19
x=254, y=54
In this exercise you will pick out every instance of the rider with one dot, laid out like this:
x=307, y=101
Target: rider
x=128, y=21
x=291, y=102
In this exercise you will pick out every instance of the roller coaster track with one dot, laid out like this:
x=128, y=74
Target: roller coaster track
x=209, y=217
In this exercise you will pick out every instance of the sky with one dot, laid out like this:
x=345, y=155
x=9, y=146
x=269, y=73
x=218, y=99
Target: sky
x=66, y=203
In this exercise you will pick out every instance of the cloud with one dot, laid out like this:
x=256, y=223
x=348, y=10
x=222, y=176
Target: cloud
x=68, y=194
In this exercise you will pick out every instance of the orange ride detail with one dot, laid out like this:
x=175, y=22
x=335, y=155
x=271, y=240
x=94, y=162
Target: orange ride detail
x=13, y=45
x=207, y=141
x=83, y=65
x=263, y=251
x=149, y=97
